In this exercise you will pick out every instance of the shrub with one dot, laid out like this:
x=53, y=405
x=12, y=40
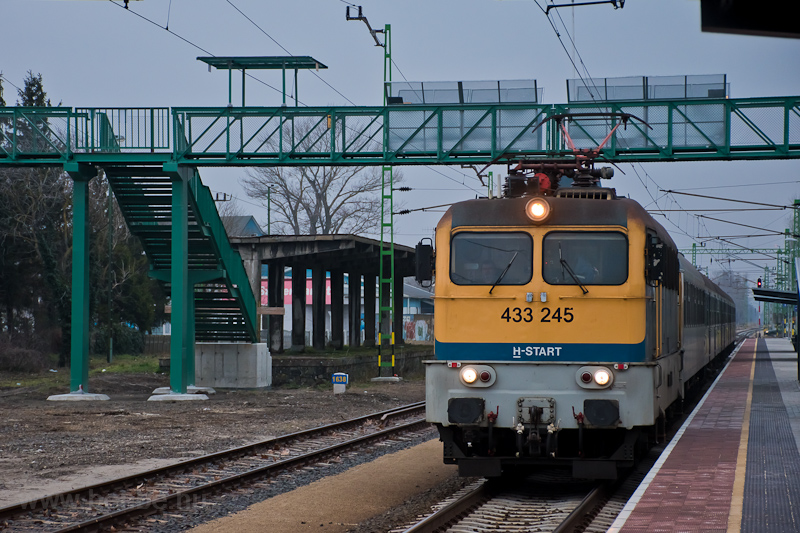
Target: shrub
x=21, y=355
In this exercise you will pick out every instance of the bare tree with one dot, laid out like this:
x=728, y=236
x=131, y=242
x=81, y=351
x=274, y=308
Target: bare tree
x=319, y=200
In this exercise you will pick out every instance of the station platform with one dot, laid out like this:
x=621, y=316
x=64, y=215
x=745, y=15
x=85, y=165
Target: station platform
x=734, y=465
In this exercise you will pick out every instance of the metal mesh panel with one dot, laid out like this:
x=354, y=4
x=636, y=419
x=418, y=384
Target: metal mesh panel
x=604, y=89
x=456, y=134
x=513, y=123
x=698, y=125
x=259, y=135
x=358, y=134
x=410, y=91
x=310, y=135
x=757, y=126
x=207, y=133
x=647, y=88
x=466, y=92
x=403, y=126
x=589, y=132
x=34, y=131
x=794, y=125
x=637, y=135
x=520, y=91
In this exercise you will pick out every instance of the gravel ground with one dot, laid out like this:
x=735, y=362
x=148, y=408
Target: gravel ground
x=50, y=446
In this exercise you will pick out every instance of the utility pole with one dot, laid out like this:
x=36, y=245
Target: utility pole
x=386, y=286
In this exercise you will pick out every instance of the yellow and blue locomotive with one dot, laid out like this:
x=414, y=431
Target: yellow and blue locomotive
x=567, y=324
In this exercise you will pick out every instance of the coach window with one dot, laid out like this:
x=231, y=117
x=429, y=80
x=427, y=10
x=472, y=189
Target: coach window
x=485, y=258
x=594, y=258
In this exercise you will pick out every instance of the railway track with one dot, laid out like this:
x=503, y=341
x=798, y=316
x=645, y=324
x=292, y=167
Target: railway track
x=125, y=501
x=544, y=501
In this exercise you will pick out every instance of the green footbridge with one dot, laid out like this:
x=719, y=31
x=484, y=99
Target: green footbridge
x=151, y=157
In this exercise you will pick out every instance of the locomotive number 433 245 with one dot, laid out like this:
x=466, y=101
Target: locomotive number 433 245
x=516, y=314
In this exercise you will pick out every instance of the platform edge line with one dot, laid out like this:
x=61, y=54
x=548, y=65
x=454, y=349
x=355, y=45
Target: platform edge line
x=737, y=497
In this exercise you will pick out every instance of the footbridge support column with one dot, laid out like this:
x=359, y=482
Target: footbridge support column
x=81, y=175
x=181, y=357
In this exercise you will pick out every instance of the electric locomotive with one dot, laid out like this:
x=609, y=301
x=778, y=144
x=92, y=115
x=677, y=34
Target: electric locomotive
x=567, y=324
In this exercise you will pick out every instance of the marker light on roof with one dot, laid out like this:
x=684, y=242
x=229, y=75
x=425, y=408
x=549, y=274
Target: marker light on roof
x=537, y=209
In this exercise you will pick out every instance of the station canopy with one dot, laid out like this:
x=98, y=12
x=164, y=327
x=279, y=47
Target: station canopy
x=263, y=62
x=244, y=63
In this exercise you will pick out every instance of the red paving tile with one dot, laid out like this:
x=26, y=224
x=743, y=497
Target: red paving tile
x=692, y=491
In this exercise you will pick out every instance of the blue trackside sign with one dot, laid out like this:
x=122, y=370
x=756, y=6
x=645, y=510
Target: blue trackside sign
x=339, y=378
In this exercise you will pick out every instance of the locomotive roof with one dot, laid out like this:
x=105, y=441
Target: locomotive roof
x=565, y=212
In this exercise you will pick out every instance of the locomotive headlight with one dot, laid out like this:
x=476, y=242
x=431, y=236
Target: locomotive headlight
x=594, y=377
x=469, y=375
x=537, y=209
x=477, y=375
x=602, y=377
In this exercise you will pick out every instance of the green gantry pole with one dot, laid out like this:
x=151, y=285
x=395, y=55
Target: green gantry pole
x=188, y=367
x=81, y=174
x=179, y=280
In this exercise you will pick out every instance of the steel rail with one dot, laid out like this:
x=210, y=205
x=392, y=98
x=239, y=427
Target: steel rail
x=452, y=511
x=584, y=511
x=168, y=502
x=231, y=453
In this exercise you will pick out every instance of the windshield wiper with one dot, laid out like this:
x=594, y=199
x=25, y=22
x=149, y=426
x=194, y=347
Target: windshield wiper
x=565, y=265
x=502, y=274
x=572, y=274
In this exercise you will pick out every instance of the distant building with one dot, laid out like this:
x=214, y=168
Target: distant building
x=242, y=226
x=417, y=308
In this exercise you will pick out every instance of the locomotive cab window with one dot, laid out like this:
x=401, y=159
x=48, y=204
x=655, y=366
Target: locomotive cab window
x=491, y=258
x=585, y=258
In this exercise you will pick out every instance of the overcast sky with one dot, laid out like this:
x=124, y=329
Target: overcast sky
x=94, y=53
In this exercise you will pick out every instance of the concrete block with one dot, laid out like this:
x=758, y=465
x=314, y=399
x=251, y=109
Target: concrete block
x=191, y=389
x=77, y=397
x=173, y=397
x=233, y=365
x=390, y=379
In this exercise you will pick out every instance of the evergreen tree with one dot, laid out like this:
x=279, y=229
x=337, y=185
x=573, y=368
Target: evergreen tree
x=32, y=94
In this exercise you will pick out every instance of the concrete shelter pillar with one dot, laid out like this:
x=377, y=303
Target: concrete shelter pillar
x=369, y=309
x=337, y=309
x=318, y=307
x=298, y=307
x=275, y=299
x=354, y=311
